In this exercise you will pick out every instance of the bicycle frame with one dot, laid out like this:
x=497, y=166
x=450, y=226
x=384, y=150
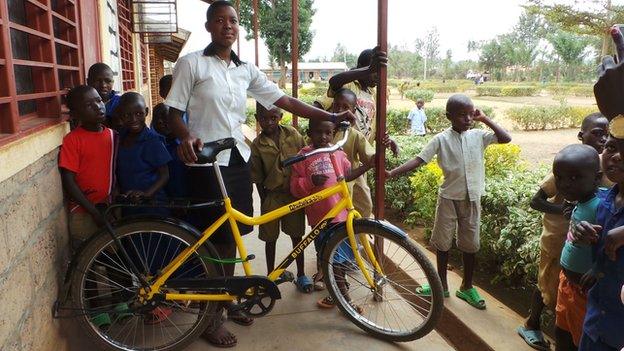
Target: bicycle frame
x=232, y=216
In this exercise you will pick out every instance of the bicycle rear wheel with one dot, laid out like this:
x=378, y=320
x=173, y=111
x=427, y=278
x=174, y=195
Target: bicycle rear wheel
x=106, y=291
x=393, y=310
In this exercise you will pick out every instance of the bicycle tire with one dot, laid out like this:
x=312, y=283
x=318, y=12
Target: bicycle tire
x=99, y=253
x=335, y=264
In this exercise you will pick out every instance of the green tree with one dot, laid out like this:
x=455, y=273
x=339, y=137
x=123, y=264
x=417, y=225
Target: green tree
x=403, y=63
x=429, y=49
x=592, y=18
x=275, y=18
x=342, y=55
x=570, y=49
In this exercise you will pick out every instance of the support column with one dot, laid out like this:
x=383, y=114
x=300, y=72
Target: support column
x=380, y=131
x=294, y=52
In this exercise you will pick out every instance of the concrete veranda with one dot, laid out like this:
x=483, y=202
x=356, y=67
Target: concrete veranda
x=296, y=323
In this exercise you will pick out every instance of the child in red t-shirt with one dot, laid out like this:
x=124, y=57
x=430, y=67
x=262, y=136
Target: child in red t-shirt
x=86, y=163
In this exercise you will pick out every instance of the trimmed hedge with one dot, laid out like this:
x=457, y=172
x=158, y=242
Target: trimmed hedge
x=397, y=122
x=415, y=94
x=549, y=117
x=586, y=90
x=507, y=90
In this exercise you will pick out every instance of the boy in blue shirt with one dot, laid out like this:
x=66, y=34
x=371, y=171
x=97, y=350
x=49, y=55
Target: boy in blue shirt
x=142, y=158
x=176, y=186
x=577, y=174
x=602, y=328
x=101, y=78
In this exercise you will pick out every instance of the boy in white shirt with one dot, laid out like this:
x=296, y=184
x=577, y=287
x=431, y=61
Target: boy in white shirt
x=417, y=117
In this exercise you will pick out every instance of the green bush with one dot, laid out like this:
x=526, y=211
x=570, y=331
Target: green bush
x=575, y=89
x=519, y=91
x=549, y=117
x=489, y=90
x=582, y=90
x=507, y=90
x=415, y=94
x=316, y=89
x=397, y=122
x=510, y=230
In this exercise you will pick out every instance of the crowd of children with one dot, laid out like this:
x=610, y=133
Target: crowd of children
x=111, y=151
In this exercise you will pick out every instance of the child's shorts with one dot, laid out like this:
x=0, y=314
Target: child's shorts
x=344, y=253
x=571, y=308
x=548, y=275
x=461, y=216
x=361, y=194
x=81, y=227
x=292, y=224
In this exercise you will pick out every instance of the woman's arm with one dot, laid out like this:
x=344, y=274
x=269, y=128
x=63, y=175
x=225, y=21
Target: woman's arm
x=300, y=108
x=188, y=143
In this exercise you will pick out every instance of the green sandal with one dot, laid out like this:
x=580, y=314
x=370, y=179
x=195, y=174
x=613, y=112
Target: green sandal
x=425, y=291
x=101, y=320
x=472, y=297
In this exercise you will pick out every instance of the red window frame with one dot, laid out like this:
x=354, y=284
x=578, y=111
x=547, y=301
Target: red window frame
x=46, y=49
x=126, y=51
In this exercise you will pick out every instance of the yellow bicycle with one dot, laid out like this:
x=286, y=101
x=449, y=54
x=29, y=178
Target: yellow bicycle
x=156, y=283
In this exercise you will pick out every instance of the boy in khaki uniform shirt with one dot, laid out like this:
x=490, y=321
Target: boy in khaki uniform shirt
x=359, y=151
x=275, y=144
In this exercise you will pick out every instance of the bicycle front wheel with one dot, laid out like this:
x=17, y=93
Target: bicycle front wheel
x=391, y=310
x=106, y=290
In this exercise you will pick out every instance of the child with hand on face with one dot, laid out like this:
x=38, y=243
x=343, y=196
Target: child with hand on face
x=460, y=154
x=142, y=159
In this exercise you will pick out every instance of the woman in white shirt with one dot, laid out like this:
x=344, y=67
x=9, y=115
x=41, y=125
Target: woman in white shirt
x=211, y=87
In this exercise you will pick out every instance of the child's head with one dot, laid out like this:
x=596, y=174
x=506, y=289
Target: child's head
x=344, y=100
x=321, y=133
x=159, y=120
x=420, y=103
x=594, y=131
x=577, y=172
x=86, y=106
x=164, y=85
x=460, y=110
x=364, y=60
x=612, y=164
x=268, y=119
x=132, y=111
x=101, y=78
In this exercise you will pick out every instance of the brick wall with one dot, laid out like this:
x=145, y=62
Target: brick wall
x=157, y=70
x=33, y=247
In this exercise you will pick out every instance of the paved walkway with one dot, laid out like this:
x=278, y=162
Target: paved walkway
x=297, y=324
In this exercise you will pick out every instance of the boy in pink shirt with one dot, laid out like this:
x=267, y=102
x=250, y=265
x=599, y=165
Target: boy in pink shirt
x=315, y=174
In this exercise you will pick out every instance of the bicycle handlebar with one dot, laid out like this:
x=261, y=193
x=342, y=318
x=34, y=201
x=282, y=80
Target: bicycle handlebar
x=292, y=160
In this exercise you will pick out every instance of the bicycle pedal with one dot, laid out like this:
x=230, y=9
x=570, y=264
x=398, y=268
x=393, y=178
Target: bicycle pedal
x=286, y=277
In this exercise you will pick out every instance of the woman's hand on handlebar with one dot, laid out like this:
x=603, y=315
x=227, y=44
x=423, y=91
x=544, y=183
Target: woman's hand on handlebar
x=187, y=148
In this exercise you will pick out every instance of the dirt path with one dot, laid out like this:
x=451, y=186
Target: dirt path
x=541, y=146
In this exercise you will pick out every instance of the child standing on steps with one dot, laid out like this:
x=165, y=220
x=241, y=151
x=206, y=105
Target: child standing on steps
x=460, y=151
x=594, y=131
x=275, y=144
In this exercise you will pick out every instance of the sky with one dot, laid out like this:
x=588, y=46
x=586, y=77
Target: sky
x=354, y=24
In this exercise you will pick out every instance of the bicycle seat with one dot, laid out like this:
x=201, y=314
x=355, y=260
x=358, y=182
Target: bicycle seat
x=210, y=150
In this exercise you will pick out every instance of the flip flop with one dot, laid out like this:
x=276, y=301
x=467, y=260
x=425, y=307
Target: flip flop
x=304, y=284
x=425, y=291
x=326, y=302
x=472, y=297
x=534, y=338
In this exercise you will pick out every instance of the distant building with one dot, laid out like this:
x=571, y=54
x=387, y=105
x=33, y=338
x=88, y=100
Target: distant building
x=308, y=71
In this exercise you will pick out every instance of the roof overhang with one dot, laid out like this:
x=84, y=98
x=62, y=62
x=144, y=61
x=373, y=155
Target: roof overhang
x=154, y=17
x=170, y=46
